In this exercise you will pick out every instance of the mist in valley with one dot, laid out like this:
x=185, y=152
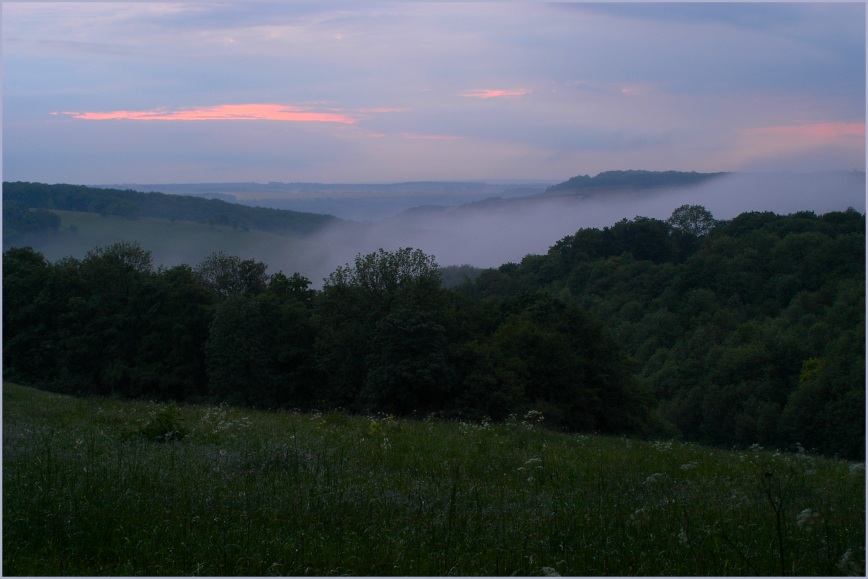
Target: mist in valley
x=489, y=234
x=483, y=234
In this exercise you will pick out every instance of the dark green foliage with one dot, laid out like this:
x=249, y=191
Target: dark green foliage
x=550, y=355
x=409, y=367
x=164, y=426
x=133, y=204
x=694, y=220
x=632, y=180
x=365, y=311
x=228, y=275
x=729, y=333
x=20, y=223
x=260, y=351
x=721, y=322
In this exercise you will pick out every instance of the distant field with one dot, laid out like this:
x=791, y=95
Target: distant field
x=171, y=242
x=107, y=487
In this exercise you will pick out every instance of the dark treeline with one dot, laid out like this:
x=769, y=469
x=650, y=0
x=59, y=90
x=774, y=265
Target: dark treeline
x=41, y=198
x=631, y=179
x=727, y=333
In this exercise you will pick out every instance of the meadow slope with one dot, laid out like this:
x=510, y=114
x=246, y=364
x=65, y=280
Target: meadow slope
x=106, y=487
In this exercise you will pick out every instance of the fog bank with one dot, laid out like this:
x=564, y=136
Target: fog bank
x=489, y=234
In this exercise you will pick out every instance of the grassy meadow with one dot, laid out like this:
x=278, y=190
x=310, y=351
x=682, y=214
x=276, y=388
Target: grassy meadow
x=108, y=487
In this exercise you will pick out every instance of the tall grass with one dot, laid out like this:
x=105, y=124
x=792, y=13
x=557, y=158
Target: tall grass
x=91, y=488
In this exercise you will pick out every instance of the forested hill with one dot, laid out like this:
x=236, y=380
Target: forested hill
x=633, y=179
x=747, y=331
x=739, y=332
x=21, y=196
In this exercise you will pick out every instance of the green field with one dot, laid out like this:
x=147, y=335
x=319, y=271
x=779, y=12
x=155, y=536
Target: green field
x=171, y=242
x=103, y=487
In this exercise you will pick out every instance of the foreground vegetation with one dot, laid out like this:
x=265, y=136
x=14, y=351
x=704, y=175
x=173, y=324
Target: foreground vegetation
x=100, y=486
x=726, y=333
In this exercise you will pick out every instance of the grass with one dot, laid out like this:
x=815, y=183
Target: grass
x=171, y=242
x=88, y=489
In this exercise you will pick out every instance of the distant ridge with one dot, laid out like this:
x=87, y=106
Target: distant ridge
x=632, y=179
x=131, y=204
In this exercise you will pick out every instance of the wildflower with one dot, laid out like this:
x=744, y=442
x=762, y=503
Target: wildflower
x=660, y=446
x=848, y=566
x=533, y=460
x=682, y=536
x=688, y=466
x=550, y=572
x=857, y=469
x=534, y=416
x=653, y=478
x=807, y=518
x=387, y=444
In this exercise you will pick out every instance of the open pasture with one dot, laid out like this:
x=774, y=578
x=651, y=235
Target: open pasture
x=107, y=487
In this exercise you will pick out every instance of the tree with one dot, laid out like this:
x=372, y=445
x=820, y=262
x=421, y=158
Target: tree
x=409, y=368
x=352, y=310
x=32, y=303
x=228, y=275
x=553, y=356
x=170, y=359
x=693, y=220
x=406, y=276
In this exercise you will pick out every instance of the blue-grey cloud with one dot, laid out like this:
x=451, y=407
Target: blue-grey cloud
x=662, y=85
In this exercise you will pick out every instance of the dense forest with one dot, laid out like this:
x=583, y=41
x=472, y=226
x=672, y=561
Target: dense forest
x=632, y=179
x=731, y=333
x=41, y=198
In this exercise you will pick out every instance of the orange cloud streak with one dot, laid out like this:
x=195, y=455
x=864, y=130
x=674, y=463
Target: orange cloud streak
x=481, y=93
x=247, y=112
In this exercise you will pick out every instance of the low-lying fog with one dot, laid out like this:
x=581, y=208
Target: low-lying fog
x=491, y=234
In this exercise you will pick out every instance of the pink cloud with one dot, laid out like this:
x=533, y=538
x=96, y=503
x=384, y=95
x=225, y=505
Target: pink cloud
x=481, y=93
x=245, y=112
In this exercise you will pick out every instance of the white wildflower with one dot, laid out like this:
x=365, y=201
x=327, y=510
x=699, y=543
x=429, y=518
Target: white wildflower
x=806, y=519
x=661, y=446
x=533, y=461
x=534, y=416
x=653, y=478
x=848, y=566
x=857, y=469
x=689, y=466
x=550, y=572
x=682, y=536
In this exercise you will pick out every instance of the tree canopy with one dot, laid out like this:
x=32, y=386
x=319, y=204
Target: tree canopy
x=735, y=332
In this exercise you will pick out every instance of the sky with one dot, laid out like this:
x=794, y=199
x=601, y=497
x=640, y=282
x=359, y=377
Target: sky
x=364, y=92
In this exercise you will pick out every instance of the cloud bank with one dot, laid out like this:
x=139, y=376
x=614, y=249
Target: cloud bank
x=240, y=112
